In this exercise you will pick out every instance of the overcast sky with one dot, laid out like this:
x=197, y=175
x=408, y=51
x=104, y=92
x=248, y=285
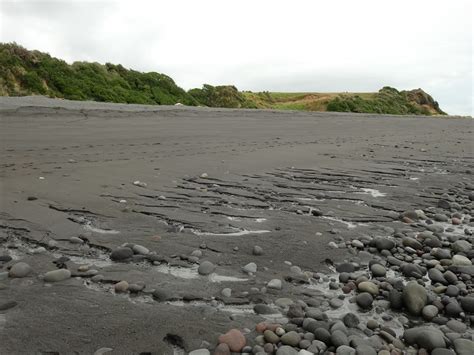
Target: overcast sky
x=298, y=45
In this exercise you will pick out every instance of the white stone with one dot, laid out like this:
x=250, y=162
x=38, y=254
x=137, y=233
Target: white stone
x=274, y=284
x=461, y=260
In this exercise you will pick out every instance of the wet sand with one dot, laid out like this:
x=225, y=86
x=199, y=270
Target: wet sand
x=216, y=180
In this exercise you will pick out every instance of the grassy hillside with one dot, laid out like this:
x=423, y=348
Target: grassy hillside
x=24, y=72
x=387, y=100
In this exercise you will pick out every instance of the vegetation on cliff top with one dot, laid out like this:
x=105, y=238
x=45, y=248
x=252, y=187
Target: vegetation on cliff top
x=24, y=72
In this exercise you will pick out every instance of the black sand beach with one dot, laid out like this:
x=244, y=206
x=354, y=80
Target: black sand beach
x=179, y=186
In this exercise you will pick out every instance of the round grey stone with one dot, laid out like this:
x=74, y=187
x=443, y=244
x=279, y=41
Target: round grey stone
x=121, y=254
x=378, y=270
x=429, y=312
x=364, y=300
x=264, y=309
x=414, y=297
x=57, y=275
x=351, y=320
x=339, y=338
x=291, y=338
x=20, y=270
x=206, y=268
x=384, y=243
x=271, y=337
x=467, y=304
x=140, y=249
x=275, y=284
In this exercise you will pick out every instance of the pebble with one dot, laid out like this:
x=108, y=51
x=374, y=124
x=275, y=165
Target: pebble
x=257, y=250
x=368, y=286
x=121, y=286
x=414, y=297
x=336, y=303
x=467, y=304
x=463, y=346
x=121, y=254
x=345, y=267
x=372, y=324
x=261, y=308
x=412, y=243
x=234, y=339
x=83, y=268
x=139, y=183
x=280, y=331
x=291, y=338
x=365, y=350
x=136, y=287
x=461, y=260
x=271, y=337
x=76, y=240
x=197, y=253
x=384, y=243
x=139, y=249
x=436, y=276
x=364, y=300
x=457, y=326
x=378, y=270
x=461, y=246
x=20, y=270
x=250, y=268
x=275, y=284
x=206, y=268
x=429, y=312
x=351, y=320
x=295, y=311
x=345, y=350
x=226, y=292
x=57, y=275
x=284, y=302
x=339, y=338
x=426, y=337
x=222, y=349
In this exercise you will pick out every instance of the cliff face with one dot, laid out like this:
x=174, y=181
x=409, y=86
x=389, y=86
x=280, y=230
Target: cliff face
x=423, y=99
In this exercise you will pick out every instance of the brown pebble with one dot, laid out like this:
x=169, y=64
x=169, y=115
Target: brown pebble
x=234, y=339
x=261, y=327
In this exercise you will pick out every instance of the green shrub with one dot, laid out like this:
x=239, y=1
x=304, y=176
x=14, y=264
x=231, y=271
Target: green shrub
x=33, y=72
